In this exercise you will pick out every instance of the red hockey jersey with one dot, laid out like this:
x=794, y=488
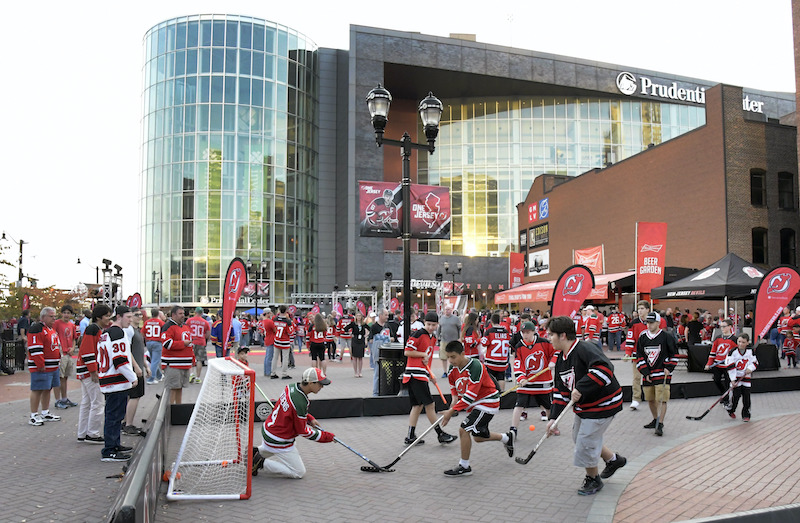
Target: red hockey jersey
x=474, y=388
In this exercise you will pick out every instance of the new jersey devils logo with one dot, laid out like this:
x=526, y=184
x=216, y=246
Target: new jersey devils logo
x=462, y=384
x=779, y=283
x=573, y=285
x=568, y=378
x=235, y=280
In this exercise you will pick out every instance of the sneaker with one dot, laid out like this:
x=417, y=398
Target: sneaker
x=543, y=415
x=409, y=441
x=612, y=466
x=94, y=439
x=35, y=420
x=634, y=405
x=513, y=429
x=444, y=437
x=286, y=377
x=651, y=425
x=69, y=402
x=274, y=377
x=191, y=378
x=725, y=403
x=150, y=381
x=745, y=418
x=198, y=380
x=115, y=456
x=50, y=417
x=731, y=414
x=258, y=462
x=660, y=429
x=444, y=375
x=131, y=430
x=510, y=445
x=459, y=471
x=590, y=486
x=523, y=416
x=123, y=448
x=60, y=404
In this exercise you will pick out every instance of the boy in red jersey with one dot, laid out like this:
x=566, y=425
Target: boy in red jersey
x=289, y=419
x=496, y=340
x=200, y=330
x=178, y=355
x=419, y=351
x=533, y=354
x=722, y=346
x=67, y=334
x=474, y=392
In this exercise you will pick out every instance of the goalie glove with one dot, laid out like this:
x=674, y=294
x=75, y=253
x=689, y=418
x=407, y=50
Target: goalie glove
x=326, y=437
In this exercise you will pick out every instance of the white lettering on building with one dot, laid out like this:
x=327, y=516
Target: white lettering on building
x=752, y=105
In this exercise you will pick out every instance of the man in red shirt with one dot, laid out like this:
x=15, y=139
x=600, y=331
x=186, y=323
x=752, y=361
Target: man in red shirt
x=200, y=331
x=44, y=356
x=151, y=330
x=268, y=332
x=67, y=334
x=419, y=350
x=592, y=326
x=616, y=322
x=178, y=354
x=496, y=342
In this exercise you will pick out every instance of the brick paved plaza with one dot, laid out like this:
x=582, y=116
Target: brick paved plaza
x=699, y=468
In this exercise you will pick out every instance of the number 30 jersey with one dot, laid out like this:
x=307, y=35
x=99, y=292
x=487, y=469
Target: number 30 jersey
x=113, y=361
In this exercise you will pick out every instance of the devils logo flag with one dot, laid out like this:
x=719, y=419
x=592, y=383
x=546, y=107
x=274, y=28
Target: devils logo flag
x=135, y=300
x=315, y=308
x=362, y=308
x=338, y=309
x=235, y=281
x=572, y=288
x=292, y=309
x=774, y=293
x=26, y=302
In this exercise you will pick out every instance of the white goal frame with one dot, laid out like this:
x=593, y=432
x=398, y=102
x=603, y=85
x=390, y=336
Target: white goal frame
x=196, y=470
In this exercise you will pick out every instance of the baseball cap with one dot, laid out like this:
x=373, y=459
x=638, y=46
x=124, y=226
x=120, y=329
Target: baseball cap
x=528, y=326
x=198, y=309
x=653, y=317
x=314, y=375
x=797, y=310
x=432, y=316
x=244, y=349
x=589, y=307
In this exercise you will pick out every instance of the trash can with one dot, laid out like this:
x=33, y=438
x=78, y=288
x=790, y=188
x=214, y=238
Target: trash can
x=391, y=364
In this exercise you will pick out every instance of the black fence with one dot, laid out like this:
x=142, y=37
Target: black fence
x=14, y=354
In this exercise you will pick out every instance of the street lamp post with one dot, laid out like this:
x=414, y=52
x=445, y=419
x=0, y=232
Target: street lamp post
x=453, y=272
x=258, y=273
x=21, y=243
x=430, y=111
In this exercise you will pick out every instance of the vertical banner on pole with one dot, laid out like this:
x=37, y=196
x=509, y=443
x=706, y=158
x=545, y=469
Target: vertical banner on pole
x=774, y=293
x=235, y=281
x=516, y=269
x=651, y=242
x=572, y=288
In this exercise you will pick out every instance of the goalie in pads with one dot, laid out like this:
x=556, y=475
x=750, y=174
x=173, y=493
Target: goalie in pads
x=277, y=453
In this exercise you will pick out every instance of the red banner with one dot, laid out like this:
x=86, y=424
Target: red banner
x=774, y=293
x=394, y=304
x=380, y=210
x=337, y=309
x=315, y=308
x=593, y=257
x=134, y=300
x=516, y=269
x=26, y=302
x=651, y=243
x=362, y=308
x=572, y=288
x=250, y=290
x=292, y=309
x=235, y=281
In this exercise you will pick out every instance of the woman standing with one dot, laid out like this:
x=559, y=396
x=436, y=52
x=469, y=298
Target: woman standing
x=471, y=336
x=358, y=343
x=316, y=337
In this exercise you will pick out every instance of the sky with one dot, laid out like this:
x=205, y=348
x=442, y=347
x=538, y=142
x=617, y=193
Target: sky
x=71, y=112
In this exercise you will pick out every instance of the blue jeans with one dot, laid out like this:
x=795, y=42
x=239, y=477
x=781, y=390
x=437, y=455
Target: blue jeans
x=614, y=340
x=245, y=339
x=269, y=350
x=116, y=403
x=155, y=359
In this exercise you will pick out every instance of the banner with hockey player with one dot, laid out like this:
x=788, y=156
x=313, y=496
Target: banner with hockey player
x=572, y=288
x=774, y=293
x=235, y=281
x=380, y=210
x=651, y=242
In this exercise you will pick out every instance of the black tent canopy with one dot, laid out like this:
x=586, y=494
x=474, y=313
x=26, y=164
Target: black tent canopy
x=730, y=277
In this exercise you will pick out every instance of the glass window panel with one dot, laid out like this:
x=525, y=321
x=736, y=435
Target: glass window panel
x=205, y=60
x=232, y=36
x=191, y=34
x=230, y=61
x=229, y=118
x=202, y=117
x=191, y=61
x=244, y=62
x=219, y=33
x=217, y=60
x=244, y=91
x=258, y=64
x=205, y=33
x=217, y=95
x=245, y=35
x=258, y=37
x=216, y=117
x=230, y=89
x=180, y=63
x=269, y=66
x=269, y=34
x=257, y=93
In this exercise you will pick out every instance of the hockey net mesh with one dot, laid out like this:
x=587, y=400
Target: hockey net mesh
x=214, y=458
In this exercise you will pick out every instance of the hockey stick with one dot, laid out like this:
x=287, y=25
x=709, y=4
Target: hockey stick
x=524, y=461
x=515, y=387
x=265, y=396
x=374, y=466
x=419, y=438
x=703, y=415
x=430, y=372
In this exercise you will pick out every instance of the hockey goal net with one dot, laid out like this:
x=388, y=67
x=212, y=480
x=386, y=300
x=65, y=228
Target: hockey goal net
x=215, y=457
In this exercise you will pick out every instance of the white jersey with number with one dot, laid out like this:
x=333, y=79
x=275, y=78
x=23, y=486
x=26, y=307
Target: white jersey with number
x=114, y=361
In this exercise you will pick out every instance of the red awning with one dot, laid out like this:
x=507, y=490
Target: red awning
x=542, y=291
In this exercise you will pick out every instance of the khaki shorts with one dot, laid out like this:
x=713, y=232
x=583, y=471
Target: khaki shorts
x=176, y=378
x=66, y=367
x=442, y=352
x=658, y=393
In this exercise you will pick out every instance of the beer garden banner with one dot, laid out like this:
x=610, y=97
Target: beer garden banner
x=380, y=210
x=651, y=243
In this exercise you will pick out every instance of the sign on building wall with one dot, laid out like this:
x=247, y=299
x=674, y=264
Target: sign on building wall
x=380, y=210
x=516, y=269
x=539, y=262
x=593, y=258
x=539, y=235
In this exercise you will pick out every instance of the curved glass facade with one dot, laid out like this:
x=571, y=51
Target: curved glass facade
x=229, y=156
x=489, y=150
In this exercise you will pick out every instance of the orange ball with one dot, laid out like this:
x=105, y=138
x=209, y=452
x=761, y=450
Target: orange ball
x=167, y=473
x=224, y=464
x=531, y=428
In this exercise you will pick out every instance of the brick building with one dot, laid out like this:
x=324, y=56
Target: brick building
x=727, y=186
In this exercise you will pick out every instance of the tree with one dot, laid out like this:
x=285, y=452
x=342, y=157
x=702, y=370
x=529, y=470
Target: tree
x=11, y=303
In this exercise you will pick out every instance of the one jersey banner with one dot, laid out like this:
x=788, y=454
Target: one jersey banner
x=516, y=269
x=774, y=293
x=235, y=281
x=380, y=210
x=250, y=290
x=651, y=243
x=572, y=288
x=593, y=257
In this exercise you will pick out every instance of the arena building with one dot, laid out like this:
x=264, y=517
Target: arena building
x=254, y=141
